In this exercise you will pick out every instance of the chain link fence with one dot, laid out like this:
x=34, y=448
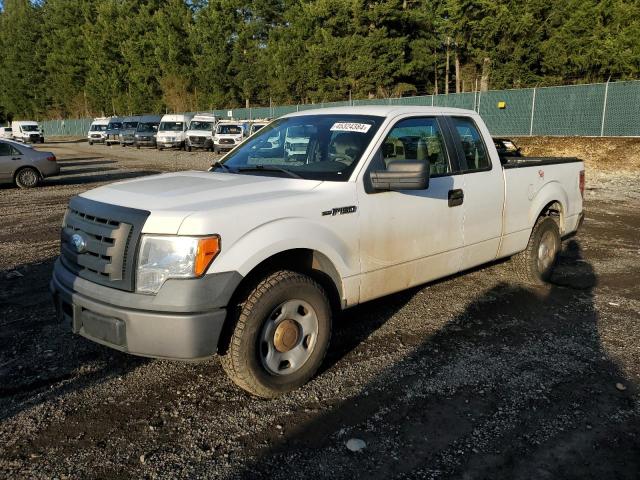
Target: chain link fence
x=602, y=109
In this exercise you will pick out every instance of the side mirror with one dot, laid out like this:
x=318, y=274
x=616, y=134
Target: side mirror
x=402, y=175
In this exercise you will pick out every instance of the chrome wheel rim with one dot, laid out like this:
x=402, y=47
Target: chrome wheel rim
x=547, y=251
x=28, y=178
x=288, y=337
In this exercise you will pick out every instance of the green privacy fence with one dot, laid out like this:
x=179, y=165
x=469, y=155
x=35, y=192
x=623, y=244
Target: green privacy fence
x=602, y=109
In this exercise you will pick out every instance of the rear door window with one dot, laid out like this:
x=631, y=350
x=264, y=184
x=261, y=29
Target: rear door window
x=5, y=150
x=472, y=145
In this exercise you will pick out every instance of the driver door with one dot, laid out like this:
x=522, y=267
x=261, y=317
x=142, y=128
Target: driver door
x=9, y=159
x=411, y=237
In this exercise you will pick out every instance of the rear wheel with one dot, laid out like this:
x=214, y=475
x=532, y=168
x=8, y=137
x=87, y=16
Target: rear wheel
x=280, y=335
x=536, y=263
x=189, y=148
x=27, y=178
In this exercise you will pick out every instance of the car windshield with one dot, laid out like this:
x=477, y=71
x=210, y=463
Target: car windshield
x=199, y=125
x=229, y=129
x=114, y=126
x=126, y=125
x=320, y=147
x=147, y=127
x=29, y=128
x=171, y=126
x=98, y=128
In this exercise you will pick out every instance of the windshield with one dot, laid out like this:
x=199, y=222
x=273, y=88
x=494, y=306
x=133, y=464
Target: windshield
x=29, y=128
x=171, y=126
x=98, y=128
x=229, y=129
x=114, y=126
x=198, y=125
x=320, y=147
x=147, y=127
x=126, y=125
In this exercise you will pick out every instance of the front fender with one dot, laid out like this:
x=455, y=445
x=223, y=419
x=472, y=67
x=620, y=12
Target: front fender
x=269, y=239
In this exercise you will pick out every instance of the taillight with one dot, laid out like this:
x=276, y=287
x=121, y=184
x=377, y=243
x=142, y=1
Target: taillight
x=51, y=158
x=582, y=183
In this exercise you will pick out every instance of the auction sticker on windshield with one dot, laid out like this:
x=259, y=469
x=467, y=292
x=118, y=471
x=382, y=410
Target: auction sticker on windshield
x=350, y=127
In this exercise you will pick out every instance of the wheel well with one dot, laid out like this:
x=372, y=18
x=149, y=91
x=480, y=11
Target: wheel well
x=15, y=174
x=301, y=260
x=553, y=210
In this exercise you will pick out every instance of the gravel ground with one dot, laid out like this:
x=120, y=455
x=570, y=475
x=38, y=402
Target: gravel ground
x=471, y=377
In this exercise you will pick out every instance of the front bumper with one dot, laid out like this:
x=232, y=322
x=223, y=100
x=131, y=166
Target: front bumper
x=180, y=323
x=172, y=144
x=145, y=143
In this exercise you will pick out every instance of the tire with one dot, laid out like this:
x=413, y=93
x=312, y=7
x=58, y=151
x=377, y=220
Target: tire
x=160, y=148
x=216, y=150
x=90, y=143
x=138, y=147
x=27, y=177
x=535, y=264
x=269, y=352
x=188, y=148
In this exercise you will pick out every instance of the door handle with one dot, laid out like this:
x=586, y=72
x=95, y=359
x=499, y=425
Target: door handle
x=456, y=197
x=16, y=158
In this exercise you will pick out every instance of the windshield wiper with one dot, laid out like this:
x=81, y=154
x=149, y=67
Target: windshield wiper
x=221, y=165
x=267, y=168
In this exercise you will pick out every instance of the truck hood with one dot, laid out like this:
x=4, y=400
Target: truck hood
x=172, y=197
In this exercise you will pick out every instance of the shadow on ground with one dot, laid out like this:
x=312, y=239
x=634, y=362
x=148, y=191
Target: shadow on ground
x=516, y=386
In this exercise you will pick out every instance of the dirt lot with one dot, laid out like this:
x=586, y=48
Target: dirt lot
x=472, y=377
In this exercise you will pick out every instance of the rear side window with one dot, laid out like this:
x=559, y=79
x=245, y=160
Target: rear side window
x=5, y=150
x=472, y=144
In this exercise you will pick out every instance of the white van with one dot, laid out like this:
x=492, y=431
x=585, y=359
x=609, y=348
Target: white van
x=172, y=131
x=229, y=133
x=98, y=130
x=200, y=133
x=257, y=125
x=6, y=132
x=27, y=131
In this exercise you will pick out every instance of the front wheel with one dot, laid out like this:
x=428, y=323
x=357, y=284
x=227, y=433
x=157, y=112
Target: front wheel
x=27, y=178
x=280, y=335
x=535, y=264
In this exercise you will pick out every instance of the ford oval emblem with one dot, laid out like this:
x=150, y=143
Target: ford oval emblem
x=79, y=243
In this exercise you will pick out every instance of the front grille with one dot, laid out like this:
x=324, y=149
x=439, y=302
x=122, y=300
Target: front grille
x=34, y=136
x=197, y=140
x=95, y=135
x=226, y=141
x=110, y=233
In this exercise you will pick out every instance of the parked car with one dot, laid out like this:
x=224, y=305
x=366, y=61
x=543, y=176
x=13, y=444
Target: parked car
x=98, y=130
x=172, y=132
x=25, y=166
x=257, y=125
x=27, y=131
x=146, y=131
x=6, y=132
x=252, y=258
x=200, y=132
x=229, y=133
x=507, y=148
x=128, y=131
x=112, y=134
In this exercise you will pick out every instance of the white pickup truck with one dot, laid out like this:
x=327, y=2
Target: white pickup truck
x=252, y=258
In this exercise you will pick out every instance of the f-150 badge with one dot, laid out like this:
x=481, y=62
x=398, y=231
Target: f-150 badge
x=340, y=211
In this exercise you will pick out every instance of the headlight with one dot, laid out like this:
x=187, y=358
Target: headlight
x=164, y=257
